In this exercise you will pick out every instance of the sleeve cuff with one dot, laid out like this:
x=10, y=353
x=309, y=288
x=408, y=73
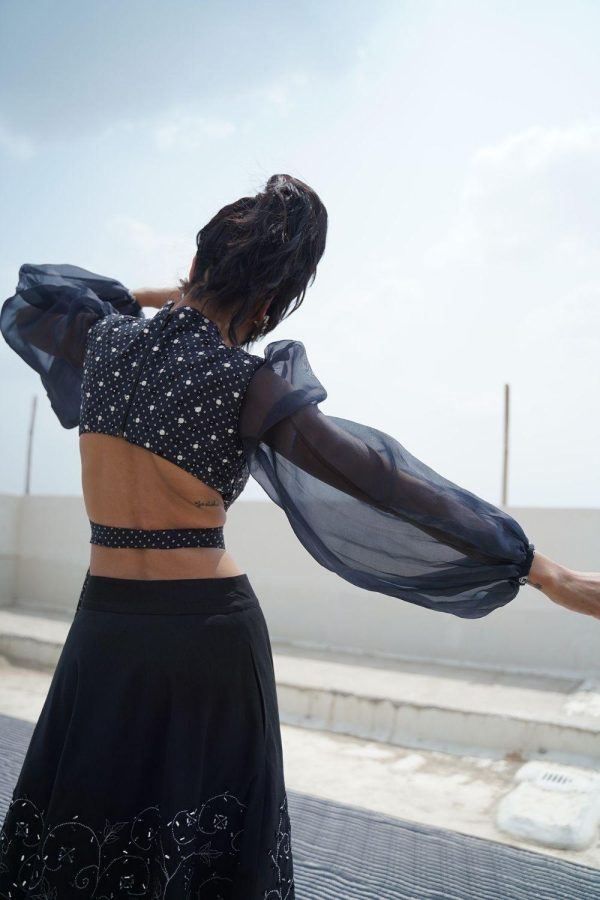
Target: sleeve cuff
x=527, y=563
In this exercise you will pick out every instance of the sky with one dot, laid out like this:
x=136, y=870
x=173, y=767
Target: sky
x=455, y=144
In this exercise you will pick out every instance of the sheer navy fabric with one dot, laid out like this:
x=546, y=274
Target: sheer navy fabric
x=366, y=508
x=47, y=320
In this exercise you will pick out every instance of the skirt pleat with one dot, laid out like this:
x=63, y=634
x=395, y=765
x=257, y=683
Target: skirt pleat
x=155, y=769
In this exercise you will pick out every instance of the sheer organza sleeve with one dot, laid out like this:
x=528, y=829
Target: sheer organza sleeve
x=366, y=508
x=47, y=320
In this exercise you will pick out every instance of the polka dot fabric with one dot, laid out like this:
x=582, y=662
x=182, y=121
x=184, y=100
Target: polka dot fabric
x=171, y=385
x=161, y=539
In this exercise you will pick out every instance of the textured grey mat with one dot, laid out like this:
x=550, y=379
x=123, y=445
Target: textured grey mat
x=345, y=853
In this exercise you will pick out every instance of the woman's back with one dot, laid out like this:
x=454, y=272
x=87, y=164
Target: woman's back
x=124, y=483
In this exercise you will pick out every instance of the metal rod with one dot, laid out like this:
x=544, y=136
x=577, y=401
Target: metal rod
x=30, y=444
x=506, y=430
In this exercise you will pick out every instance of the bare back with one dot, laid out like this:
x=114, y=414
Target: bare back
x=126, y=485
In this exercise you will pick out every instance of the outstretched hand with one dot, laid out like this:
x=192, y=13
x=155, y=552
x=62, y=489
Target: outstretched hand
x=577, y=591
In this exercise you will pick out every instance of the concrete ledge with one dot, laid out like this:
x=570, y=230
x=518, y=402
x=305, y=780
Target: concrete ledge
x=31, y=639
x=452, y=709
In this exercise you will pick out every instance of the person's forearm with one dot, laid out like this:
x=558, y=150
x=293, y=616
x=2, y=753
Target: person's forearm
x=155, y=297
x=577, y=591
x=544, y=572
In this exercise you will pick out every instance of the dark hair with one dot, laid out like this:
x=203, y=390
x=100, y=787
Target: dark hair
x=260, y=247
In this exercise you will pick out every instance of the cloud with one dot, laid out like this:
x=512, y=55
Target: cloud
x=571, y=321
x=152, y=258
x=535, y=195
x=140, y=236
x=280, y=93
x=17, y=145
x=181, y=130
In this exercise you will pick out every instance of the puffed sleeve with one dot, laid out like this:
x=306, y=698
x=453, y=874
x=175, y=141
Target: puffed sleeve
x=47, y=320
x=366, y=508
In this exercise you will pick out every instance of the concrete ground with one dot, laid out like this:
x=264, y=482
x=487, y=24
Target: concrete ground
x=457, y=792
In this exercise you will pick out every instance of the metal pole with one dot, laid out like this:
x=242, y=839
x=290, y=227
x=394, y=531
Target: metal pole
x=506, y=428
x=30, y=444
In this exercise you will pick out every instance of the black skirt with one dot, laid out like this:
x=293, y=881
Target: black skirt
x=155, y=769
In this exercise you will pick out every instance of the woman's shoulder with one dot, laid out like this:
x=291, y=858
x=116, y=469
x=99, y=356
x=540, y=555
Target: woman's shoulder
x=276, y=351
x=284, y=369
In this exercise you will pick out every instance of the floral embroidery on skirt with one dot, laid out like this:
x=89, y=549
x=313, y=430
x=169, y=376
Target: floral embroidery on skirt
x=281, y=859
x=190, y=856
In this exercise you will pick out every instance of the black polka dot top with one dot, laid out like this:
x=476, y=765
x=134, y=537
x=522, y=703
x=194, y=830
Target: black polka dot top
x=170, y=384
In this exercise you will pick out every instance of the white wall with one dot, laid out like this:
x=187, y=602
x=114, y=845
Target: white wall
x=44, y=555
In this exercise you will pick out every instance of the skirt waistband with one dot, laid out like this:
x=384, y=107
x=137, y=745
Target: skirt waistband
x=176, y=595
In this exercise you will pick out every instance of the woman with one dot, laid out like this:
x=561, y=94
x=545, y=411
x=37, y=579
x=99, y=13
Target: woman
x=155, y=769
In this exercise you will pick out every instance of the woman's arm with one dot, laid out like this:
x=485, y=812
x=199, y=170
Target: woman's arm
x=155, y=297
x=366, y=508
x=577, y=591
x=312, y=441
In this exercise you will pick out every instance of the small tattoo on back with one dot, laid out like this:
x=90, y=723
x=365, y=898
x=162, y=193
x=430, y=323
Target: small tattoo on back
x=206, y=502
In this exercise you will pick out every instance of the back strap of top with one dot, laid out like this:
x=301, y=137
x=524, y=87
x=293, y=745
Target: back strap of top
x=156, y=538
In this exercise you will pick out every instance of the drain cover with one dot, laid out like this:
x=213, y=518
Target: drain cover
x=552, y=805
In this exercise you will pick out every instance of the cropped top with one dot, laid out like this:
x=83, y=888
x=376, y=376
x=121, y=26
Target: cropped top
x=169, y=383
x=359, y=502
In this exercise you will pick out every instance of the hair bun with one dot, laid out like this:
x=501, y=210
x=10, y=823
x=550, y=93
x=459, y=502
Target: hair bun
x=277, y=181
x=285, y=188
